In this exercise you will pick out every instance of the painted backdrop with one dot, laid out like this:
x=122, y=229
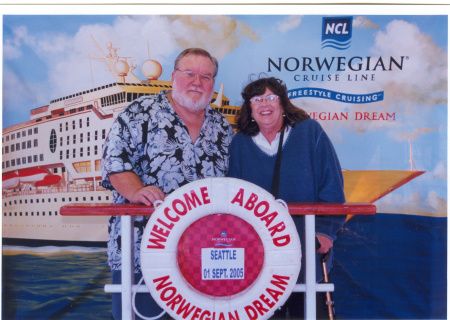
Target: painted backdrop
x=377, y=84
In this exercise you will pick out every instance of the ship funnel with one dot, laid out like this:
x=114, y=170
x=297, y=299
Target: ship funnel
x=218, y=101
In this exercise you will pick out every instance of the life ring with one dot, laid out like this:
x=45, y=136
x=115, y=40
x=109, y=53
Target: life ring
x=220, y=248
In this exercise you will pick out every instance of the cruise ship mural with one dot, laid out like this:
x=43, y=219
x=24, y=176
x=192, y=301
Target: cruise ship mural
x=54, y=159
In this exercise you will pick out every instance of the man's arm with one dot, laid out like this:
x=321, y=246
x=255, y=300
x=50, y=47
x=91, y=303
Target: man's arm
x=131, y=187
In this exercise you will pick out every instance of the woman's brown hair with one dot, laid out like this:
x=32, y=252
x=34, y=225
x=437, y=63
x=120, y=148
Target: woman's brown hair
x=291, y=114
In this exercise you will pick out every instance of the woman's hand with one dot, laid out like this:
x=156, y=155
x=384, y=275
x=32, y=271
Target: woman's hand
x=325, y=243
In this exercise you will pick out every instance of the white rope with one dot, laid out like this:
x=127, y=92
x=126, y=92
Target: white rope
x=134, y=305
x=156, y=204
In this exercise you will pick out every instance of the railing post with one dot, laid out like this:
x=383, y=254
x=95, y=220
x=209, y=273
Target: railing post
x=127, y=228
x=310, y=268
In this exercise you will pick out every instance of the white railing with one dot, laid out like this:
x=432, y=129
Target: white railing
x=128, y=211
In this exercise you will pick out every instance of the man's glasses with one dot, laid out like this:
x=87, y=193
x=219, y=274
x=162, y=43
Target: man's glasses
x=190, y=75
x=270, y=99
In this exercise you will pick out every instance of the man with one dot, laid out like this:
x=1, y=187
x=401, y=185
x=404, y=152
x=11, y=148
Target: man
x=160, y=143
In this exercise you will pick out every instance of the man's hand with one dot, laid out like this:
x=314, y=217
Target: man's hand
x=147, y=195
x=131, y=187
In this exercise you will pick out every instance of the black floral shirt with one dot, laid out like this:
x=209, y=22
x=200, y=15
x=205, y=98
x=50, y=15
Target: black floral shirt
x=149, y=139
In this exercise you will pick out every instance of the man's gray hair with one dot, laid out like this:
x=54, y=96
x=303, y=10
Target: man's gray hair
x=198, y=52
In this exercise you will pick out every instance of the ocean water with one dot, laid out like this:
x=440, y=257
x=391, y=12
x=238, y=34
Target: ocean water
x=387, y=266
x=55, y=283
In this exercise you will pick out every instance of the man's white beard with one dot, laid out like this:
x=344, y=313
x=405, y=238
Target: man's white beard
x=184, y=100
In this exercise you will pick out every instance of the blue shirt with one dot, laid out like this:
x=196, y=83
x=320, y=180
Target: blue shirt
x=310, y=172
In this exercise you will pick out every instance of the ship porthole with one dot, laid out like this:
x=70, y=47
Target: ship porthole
x=53, y=141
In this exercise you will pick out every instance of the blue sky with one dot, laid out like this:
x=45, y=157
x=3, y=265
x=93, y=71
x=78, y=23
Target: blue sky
x=44, y=57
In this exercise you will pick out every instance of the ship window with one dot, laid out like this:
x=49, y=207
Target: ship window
x=35, y=158
x=36, y=130
x=74, y=152
x=20, y=213
x=13, y=147
x=70, y=199
x=31, y=200
x=15, y=201
x=18, y=146
x=24, y=160
x=88, y=151
x=18, y=161
x=24, y=133
x=92, y=198
x=29, y=144
x=43, y=213
x=60, y=155
x=67, y=126
x=41, y=157
x=18, y=135
x=32, y=214
x=13, y=162
x=81, y=123
x=87, y=121
x=56, y=213
x=24, y=144
x=81, y=152
x=49, y=213
x=84, y=198
x=53, y=141
x=96, y=135
x=30, y=159
x=95, y=150
x=76, y=199
x=37, y=200
x=13, y=136
x=88, y=136
x=103, y=134
x=35, y=141
x=68, y=140
x=233, y=111
x=4, y=214
x=63, y=199
x=63, y=169
x=81, y=138
x=74, y=139
x=107, y=197
x=30, y=132
x=15, y=214
x=7, y=163
x=60, y=127
x=60, y=141
x=20, y=201
x=7, y=149
x=73, y=124
x=67, y=154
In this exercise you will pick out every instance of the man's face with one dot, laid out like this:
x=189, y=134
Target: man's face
x=193, y=82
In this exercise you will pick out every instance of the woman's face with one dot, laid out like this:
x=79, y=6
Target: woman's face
x=267, y=114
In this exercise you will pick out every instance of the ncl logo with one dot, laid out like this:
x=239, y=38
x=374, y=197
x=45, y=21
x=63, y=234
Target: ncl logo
x=337, y=33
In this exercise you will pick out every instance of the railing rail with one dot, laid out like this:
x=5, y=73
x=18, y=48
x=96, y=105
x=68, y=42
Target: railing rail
x=127, y=211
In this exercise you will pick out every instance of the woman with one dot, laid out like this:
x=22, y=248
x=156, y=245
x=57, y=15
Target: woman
x=309, y=169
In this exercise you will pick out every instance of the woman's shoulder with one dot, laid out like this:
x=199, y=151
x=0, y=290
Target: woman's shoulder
x=307, y=125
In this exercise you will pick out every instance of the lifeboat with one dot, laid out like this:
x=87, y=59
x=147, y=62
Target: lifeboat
x=32, y=175
x=10, y=180
x=48, y=180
